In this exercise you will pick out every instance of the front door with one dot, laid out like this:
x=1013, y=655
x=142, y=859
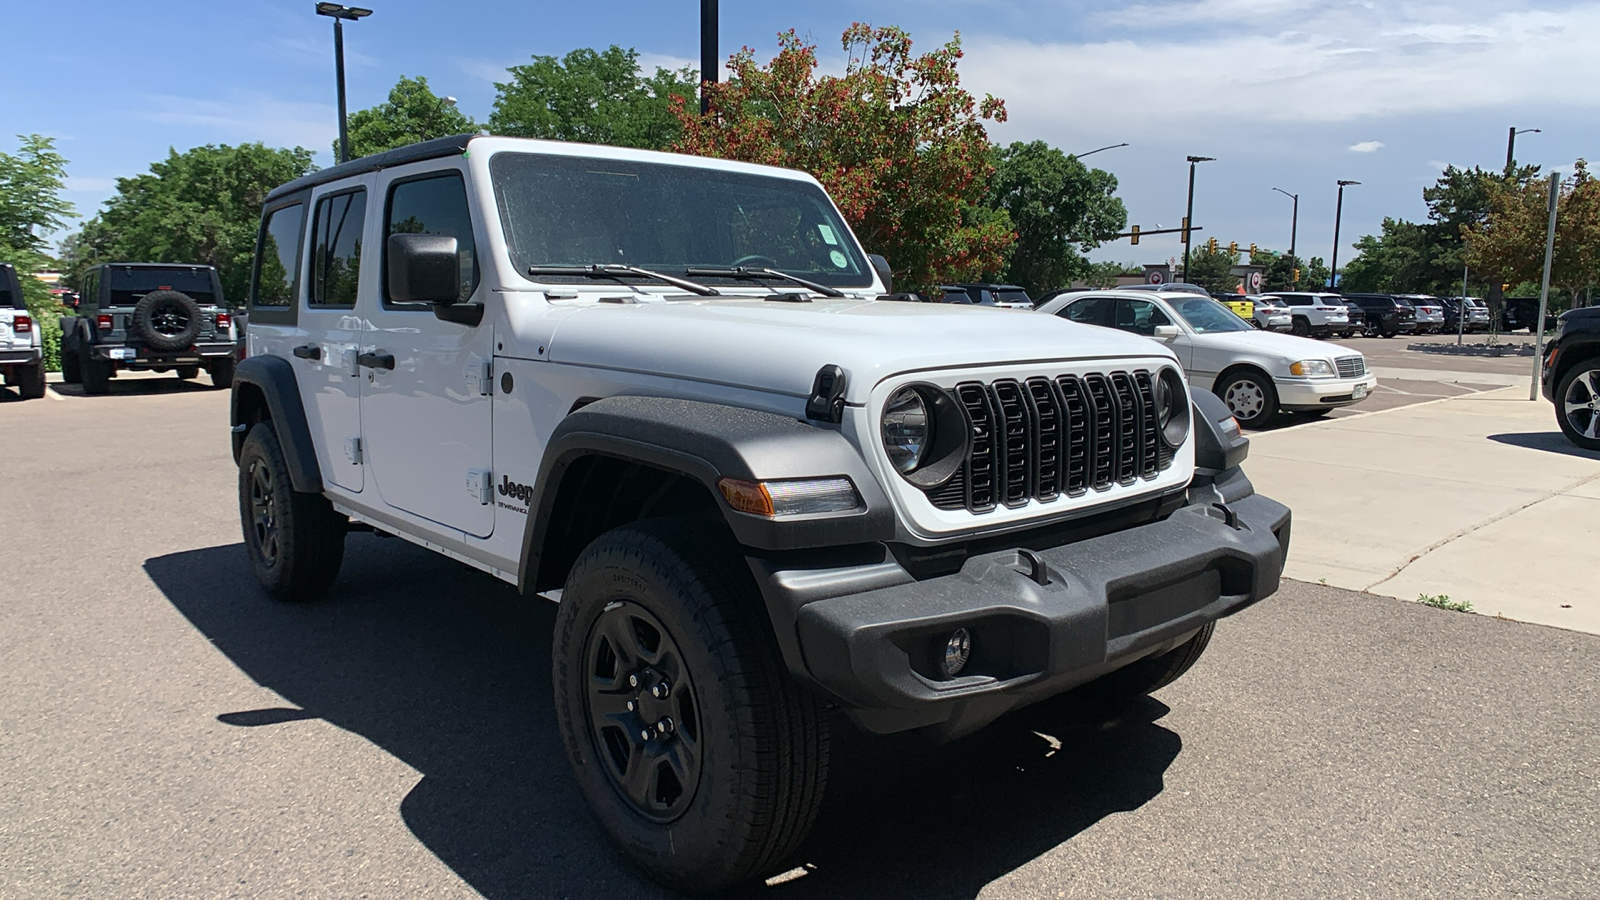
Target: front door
x=325, y=362
x=425, y=387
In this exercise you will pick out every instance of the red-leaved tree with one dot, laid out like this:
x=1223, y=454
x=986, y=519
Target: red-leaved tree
x=896, y=140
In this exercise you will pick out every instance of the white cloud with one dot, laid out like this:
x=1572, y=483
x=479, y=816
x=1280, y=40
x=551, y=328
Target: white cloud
x=1366, y=147
x=89, y=184
x=256, y=117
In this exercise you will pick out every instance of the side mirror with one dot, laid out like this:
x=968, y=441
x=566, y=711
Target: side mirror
x=881, y=266
x=1167, y=332
x=426, y=268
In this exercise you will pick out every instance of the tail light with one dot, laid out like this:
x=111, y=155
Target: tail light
x=22, y=324
x=105, y=323
x=223, y=321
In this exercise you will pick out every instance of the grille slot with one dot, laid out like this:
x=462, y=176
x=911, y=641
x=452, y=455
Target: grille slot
x=1041, y=438
x=1351, y=366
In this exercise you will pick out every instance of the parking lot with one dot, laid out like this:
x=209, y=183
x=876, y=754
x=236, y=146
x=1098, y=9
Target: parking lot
x=167, y=731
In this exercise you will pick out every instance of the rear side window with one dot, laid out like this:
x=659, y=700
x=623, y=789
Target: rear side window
x=277, y=274
x=436, y=204
x=1297, y=301
x=336, y=249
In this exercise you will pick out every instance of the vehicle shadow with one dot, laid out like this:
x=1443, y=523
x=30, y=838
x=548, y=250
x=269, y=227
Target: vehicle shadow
x=146, y=386
x=1549, y=441
x=448, y=670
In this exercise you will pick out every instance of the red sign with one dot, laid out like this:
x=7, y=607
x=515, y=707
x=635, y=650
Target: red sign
x=1155, y=277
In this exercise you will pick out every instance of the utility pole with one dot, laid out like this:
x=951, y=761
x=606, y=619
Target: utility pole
x=710, y=66
x=1338, y=216
x=1188, y=218
x=339, y=14
x=1294, y=228
x=1511, y=147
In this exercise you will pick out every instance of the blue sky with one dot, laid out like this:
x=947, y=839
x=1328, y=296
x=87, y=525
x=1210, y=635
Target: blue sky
x=1284, y=93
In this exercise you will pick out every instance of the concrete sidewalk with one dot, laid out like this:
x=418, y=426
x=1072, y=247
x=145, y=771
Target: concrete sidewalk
x=1477, y=497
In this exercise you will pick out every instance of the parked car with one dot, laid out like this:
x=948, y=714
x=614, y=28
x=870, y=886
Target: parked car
x=21, y=344
x=1519, y=313
x=1006, y=296
x=1314, y=314
x=159, y=317
x=1358, y=319
x=1256, y=373
x=1182, y=287
x=1477, y=315
x=1571, y=376
x=1270, y=313
x=1387, y=315
x=1242, y=305
x=768, y=500
x=1430, y=312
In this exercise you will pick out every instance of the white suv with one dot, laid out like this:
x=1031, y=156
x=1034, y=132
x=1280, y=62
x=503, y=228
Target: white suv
x=1430, y=312
x=677, y=391
x=21, y=350
x=1313, y=314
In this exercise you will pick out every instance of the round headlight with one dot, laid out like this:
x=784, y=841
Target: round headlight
x=1172, y=408
x=907, y=429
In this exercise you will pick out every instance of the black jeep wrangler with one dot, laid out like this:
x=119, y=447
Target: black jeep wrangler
x=159, y=317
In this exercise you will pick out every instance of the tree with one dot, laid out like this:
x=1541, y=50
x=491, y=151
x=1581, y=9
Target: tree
x=412, y=114
x=1509, y=244
x=1212, y=270
x=595, y=98
x=1404, y=258
x=1102, y=274
x=1315, y=276
x=896, y=140
x=1059, y=208
x=31, y=207
x=199, y=206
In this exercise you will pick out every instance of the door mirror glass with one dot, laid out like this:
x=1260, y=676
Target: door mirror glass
x=423, y=268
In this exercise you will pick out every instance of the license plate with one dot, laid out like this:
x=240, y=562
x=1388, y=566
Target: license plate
x=1359, y=392
x=122, y=353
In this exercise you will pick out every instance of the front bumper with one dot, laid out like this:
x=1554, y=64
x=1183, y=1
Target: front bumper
x=1042, y=621
x=1321, y=393
x=144, y=356
x=25, y=356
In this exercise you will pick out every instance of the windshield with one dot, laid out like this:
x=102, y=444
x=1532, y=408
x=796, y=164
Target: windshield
x=1207, y=316
x=564, y=211
x=129, y=284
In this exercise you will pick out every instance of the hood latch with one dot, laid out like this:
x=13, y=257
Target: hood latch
x=827, y=395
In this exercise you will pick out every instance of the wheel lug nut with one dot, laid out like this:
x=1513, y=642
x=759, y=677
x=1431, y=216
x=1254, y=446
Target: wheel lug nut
x=646, y=734
x=630, y=706
x=665, y=726
x=633, y=681
x=660, y=691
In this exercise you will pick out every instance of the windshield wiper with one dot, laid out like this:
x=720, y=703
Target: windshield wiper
x=757, y=274
x=616, y=270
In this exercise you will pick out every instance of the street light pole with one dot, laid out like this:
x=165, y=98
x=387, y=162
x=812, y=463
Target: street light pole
x=339, y=14
x=1294, y=228
x=710, y=66
x=1511, y=146
x=1338, y=216
x=1188, y=218
x=1098, y=149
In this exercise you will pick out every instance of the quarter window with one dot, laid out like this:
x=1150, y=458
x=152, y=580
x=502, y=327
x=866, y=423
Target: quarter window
x=277, y=275
x=336, y=249
x=435, y=205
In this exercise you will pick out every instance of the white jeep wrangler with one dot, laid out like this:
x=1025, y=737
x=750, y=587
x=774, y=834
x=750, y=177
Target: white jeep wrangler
x=21, y=349
x=674, y=395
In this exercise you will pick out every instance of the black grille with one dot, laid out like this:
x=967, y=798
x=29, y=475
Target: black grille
x=1351, y=366
x=1043, y=438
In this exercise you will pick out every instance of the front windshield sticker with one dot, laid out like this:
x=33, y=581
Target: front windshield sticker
x=838, y=258
x=827, y=235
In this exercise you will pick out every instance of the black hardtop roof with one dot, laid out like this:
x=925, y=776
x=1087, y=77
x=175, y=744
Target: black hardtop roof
x=434, y=149
x=151, y=265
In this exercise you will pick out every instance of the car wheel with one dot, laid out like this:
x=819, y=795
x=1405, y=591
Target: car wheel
x=29, y=381
x=1578, y=404
x=1250, y=396
x=698, y=754
x=1301, y=327
x=1154, y=672
x=295, y=541
x=188, y=372
x=96, y=374
x=71, y=367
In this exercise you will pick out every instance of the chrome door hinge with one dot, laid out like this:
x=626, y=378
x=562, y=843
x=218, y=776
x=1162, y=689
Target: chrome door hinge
x=480, y=484
x=352, y=450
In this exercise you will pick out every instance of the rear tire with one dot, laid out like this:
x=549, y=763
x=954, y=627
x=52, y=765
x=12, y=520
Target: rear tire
x=188, y=373
x=29, y=381
x=1301, y=327
x=71, y=367
x=96, y=374
x=730, y=788
x=295, y=541
x=1577, y=399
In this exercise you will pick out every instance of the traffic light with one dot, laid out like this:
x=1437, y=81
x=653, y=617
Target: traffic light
x=1296, y=276
x=1135, y=235
x=1233, y=246
x=1211, y=245
x=1252, y=250
x=1186, y=229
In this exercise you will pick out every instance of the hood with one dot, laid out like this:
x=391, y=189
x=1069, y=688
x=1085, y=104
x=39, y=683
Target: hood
x=1270, y=342
x=778, y=347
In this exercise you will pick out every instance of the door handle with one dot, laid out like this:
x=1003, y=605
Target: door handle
x=309, y=351
x=378, y=360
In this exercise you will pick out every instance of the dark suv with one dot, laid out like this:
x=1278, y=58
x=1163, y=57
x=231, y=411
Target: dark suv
x=1387, y=315
x=984, y=294
x=1572, y=376
x=159, y=317
x=1518, y=313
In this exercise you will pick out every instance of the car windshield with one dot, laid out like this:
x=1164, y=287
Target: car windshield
x=570, y=211
x=1207, y=316
x=129, y=284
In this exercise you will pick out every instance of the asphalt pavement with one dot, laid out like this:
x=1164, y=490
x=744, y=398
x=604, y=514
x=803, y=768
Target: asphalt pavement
x=167, y=731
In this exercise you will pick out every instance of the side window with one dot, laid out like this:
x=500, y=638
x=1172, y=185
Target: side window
x=336, y=249
x=1089, y=311
x=436, y=204
x=1297, y=301
x=1140, y=317
x=277, y=274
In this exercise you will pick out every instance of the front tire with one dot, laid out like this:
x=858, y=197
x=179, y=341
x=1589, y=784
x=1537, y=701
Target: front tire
x=295, y=541
x=697, y=753
x=1578, y=404
x=1155, y=672
x=1250, y=396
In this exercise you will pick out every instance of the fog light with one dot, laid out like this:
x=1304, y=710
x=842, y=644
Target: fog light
x=956, y=652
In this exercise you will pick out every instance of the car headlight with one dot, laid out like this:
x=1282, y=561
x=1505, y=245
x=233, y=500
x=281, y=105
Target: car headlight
x=907, y=429
x=1172, y=408
x=1313, y=368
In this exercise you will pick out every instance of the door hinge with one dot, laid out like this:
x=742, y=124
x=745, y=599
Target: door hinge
x=352, y=450
x=480, y=375
x=480, y=484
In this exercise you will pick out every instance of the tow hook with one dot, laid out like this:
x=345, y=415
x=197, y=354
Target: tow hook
x=1229, y=517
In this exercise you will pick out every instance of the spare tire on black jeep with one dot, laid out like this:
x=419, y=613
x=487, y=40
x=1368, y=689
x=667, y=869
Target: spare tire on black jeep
x=166, y=320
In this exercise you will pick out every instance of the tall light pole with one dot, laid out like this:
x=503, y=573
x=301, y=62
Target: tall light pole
x=1098, y=149
x=1338, y=216
x=1188, y=218
x=1294, y=228
x=710, y=66
x=340, y=14
x=1511, y=146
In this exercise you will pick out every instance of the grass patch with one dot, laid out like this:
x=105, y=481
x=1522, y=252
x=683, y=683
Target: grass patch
x=1443, y=601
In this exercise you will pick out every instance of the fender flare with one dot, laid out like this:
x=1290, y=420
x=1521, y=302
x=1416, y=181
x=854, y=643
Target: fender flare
x=274, y=378
x=706, y=442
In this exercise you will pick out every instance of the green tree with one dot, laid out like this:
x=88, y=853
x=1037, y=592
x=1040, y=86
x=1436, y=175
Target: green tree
x=1315, y=275
x=199, y=206
x=31, y=208
x=897, y=141
x=1105, y=274
x=1403, y=258
x=1212, y=269
x=1059, y=207
x=412, y=114
x=592, y=97
x=1509, y=244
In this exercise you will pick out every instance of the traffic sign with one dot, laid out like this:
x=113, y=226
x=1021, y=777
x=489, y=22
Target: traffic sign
x=1255, y=281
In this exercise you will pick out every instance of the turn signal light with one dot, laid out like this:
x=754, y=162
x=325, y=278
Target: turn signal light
x=776, y=499
x=22, y=324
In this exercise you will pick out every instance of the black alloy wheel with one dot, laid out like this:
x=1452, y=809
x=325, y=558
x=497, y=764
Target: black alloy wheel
x=263, y=519
x=294, y=540
x=1301, y=327
x=643, y=715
